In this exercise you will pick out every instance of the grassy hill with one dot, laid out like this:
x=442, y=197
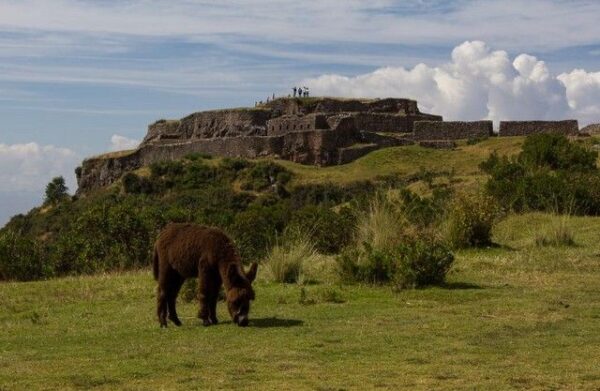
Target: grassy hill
x=519, y=313
x=462, y=161
x=517, y=316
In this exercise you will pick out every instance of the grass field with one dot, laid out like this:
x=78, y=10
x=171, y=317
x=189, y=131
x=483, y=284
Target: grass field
x=516, y=316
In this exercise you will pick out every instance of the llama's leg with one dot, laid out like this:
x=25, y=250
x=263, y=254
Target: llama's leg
x=175, y=282
x=204, y=296
x=213, y=308
x=209, y=283
x=161, y=305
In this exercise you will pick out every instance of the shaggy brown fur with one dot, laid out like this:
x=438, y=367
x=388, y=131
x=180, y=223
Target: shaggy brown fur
x=188, y=250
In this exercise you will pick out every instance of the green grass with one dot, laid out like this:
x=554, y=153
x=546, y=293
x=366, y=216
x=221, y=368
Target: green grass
x=407, y=160
x=516, y=316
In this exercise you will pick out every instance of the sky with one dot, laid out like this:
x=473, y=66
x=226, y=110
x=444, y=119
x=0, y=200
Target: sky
x=82, y=77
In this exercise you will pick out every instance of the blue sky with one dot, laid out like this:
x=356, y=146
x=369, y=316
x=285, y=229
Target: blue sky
x=73, y=74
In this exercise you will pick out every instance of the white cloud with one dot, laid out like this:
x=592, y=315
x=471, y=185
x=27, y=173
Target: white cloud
x=29, y=167
x=119, y=143
x=583, y=93
x=478, y=83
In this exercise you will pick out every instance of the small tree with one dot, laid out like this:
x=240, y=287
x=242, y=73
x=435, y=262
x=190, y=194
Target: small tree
x=56, y=191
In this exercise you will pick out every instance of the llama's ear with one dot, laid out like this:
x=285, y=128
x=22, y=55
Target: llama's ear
x=232, y=273
x=251, y=274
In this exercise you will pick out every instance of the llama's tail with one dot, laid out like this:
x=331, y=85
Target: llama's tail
x=155, y=264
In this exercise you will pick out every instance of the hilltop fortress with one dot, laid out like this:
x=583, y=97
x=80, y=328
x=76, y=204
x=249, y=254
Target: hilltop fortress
x=318, y=131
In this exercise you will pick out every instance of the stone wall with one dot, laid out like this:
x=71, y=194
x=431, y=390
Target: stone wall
x=592, y=129
x=524, y=128
x=452, y=130
x=293, y=123
x=382, y=122
x=318, y=147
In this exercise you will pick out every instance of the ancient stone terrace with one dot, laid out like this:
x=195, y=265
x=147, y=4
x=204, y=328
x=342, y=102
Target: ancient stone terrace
x=318, y=131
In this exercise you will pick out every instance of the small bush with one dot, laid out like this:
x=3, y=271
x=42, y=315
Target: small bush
x=328, y=230
x=22, y=258
x=263, y=175
x=414, y=263
x=556, y=152
x=470, y=220
x=423, y=262
x=134, y=184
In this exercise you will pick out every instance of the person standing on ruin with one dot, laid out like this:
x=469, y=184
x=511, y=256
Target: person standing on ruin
x=294, y=89
x=299, y=92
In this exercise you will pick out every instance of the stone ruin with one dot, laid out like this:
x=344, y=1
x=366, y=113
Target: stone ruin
x=317, y=131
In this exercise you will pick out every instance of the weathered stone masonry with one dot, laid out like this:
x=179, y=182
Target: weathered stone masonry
x=525, y=128
x=454, y=130
x=319, y=131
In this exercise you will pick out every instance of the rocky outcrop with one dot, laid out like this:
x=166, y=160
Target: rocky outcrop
x=526, y=128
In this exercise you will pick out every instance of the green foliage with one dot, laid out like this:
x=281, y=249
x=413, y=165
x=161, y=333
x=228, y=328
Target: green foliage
x=329, y=231
x=549, y=174
x=422, y=262
x=198, y=156
x=22, y=258
x=409, y=264
x=556, y=152
x=475, y=140
x=470, y=220
x=56, y=191
x=263, y=175
x=135, y=184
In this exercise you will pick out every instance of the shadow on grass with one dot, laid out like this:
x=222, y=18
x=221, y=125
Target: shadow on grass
x=460, y=285
x=264, y=323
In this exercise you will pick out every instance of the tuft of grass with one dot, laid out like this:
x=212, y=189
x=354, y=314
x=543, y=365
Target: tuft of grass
x=381, y=225
x=558, y=234
x=293, y=260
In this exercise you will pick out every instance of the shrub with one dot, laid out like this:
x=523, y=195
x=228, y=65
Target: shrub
x=556, y=152
x=470, y=220
x=422, y=262
x=263, y=175
x=255, y=230
x=413, y=263
x=168, y=168
x=328, y=230
x=549, y=173
x=134, y=184
x=22, y=258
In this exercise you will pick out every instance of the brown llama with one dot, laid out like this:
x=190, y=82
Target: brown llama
x=188, y=250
